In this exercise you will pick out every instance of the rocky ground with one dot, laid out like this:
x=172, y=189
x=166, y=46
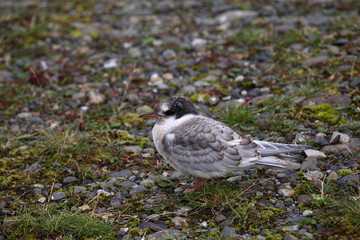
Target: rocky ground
x=76, y=161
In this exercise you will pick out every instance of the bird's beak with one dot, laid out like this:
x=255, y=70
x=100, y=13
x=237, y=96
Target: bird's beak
x=151, y=115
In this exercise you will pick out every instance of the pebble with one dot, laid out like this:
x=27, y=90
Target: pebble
x=69, y=179
x=304, y=198
x=198, y=42
x=333, y=176
x=307, y=213
x=309, y=164
x=170, y=233
x=179, y=221
x=124, y=173
x=95, y=98
x=33, y=167
x=58, y=196
x=291, y=228
x=133, y=149
x=78, y=189
x=229, y=232
x=335, y=148
x=352, y=178
x=286, y=192
x=134, y=52
x=311, y=175
x=315, y=153
x=318, y=61
x=235, y=15
x=138, y=190
x=220, y=217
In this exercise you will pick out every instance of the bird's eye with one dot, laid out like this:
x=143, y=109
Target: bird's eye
x=169, y=112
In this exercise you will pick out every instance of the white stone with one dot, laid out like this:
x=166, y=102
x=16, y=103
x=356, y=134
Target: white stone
x=203, y=224
x=96, y=98
x=315, y=153
x=110, y=63
x=198, y=42
x=287, y=191
x=233, y=15
x=307, y=213
x=344, y=138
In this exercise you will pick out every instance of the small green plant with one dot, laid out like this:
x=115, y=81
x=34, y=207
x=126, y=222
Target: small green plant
x=53, y=221
x=239, y=117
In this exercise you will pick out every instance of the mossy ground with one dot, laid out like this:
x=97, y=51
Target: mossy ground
x=90, y=145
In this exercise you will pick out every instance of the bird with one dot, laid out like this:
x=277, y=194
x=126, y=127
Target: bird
x=202, y=147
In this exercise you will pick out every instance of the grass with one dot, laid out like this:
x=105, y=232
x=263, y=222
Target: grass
x=53, y=221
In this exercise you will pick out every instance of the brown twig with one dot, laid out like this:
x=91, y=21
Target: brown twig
x=130, y=77
x=35, y=76
x=51, y=190
x=352, y=67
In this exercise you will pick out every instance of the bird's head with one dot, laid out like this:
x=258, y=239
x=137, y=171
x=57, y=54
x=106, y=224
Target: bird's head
x=174, y=107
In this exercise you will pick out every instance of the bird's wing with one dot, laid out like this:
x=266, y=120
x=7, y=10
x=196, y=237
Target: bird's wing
x=206, y=145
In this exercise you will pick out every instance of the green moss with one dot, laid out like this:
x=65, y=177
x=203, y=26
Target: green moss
x=345, y=172
x=323, y=112
x=121, y=137
x=219, y=87
x=200, y=97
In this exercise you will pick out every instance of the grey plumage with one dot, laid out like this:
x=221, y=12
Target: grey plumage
x=202, y=147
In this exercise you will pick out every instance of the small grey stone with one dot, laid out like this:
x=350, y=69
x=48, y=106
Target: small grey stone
x=123, y=173
x=138, y=190
x=334, y=148
x=290, y=237
x=220, y=218
x=227, y=222
x=134, y=52
x=315, y=61
x=333, y=50
x=169, y=53
x=69, y=179
x=133, y=149
x=115, y=202
x=109, y=184
x=280, y=204
x=33, y=167
x=349, y=179
x=176, y=234
x=229, y=232
x=311, y=175
x=309, y=162
x=291, y=228
x=128, y=184
x=5, y=76
x=333, y=176
x=304, y=198
x=153, y=226
x=144, y=109
x=335, y=137
x=58, y=196
x=147, y=182
x=78, y=189
x=153, y=217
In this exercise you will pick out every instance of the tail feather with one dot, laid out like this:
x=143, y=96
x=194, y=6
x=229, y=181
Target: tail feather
x=274, y=161
x=271, y=149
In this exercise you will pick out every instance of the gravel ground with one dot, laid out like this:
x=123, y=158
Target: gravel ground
x=77, y=162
